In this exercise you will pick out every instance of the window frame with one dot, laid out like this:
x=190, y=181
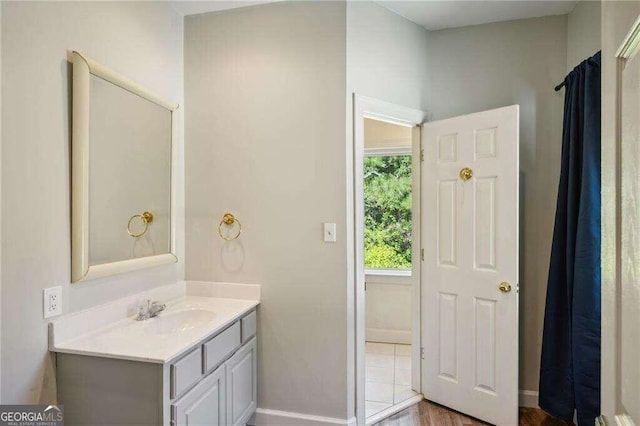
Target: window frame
x=392, y=151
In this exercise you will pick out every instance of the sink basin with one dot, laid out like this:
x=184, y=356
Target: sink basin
x=175, y=322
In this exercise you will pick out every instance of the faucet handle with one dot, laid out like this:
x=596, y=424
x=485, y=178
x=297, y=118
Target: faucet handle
x=156, y=308
x=142, y=313
x=150, y=310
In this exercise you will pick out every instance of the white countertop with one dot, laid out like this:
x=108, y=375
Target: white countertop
x=153, y=340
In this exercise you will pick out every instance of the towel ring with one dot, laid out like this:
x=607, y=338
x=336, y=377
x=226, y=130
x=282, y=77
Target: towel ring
x=229, y=219
x=146, y=218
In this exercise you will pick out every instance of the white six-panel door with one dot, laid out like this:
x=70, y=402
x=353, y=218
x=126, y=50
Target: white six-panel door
x=470, y=267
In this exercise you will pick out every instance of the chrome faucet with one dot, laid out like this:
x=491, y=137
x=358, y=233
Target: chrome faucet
x=150, y=311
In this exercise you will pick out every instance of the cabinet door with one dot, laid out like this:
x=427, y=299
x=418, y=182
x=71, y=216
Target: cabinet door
x=242, y=390
x=204, y=405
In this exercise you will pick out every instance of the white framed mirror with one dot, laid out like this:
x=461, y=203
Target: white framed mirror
x=122, y=182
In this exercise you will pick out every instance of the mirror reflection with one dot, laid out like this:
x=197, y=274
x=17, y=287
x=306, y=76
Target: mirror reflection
x=129, y=175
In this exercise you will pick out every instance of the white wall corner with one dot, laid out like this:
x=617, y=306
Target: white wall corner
x=528, y=398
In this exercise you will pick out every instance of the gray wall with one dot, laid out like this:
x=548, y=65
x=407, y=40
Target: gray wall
x=494, y=65
x=142, y=40
x=387, y=56
x=583, y=32
x=265, y=125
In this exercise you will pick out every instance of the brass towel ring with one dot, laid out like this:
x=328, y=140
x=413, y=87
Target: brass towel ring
x=229, y=219
x=146, y=217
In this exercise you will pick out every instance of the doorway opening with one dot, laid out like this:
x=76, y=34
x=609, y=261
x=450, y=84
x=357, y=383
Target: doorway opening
x=387, y=250
x=387, y=259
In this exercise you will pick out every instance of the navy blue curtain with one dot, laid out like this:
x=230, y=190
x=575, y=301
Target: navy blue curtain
x=570, y=364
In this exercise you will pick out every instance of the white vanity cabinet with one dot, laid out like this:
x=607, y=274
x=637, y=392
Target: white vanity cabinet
x=213, y=382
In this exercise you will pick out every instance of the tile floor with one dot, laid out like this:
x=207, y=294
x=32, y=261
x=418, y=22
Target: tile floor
x=387, y=375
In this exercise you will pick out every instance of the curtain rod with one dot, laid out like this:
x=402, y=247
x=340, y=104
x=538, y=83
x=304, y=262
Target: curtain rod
x=561, y=85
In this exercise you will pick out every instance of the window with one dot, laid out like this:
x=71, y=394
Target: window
x=387, y=210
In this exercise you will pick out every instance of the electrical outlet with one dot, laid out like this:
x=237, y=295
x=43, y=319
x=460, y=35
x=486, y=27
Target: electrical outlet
x=52, y=301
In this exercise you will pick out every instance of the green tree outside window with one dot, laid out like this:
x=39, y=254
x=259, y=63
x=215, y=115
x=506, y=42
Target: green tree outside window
x=387, y=209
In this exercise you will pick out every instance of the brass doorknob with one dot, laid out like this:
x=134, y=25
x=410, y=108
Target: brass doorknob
x=466, y=174
x=504, y=287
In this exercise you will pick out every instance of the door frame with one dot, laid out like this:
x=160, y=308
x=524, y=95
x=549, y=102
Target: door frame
x=611, y=398
x=365, y=107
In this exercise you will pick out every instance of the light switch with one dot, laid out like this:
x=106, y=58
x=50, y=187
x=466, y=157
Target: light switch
x=329, y=232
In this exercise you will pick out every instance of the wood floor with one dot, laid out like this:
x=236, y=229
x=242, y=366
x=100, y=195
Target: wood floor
x=427, y=413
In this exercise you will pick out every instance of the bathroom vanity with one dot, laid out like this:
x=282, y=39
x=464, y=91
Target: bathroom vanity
x=189, y=357
x=193, y=364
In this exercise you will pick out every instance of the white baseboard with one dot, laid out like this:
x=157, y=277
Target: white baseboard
x=388, y=336
x=528, y=398
x=264, y=416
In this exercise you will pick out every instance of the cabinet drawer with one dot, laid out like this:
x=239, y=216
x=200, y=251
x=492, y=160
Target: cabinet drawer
x=218, y=348
x=248, y=326
x=186, y=372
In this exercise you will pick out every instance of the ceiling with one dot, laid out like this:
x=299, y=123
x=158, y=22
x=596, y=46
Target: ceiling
x=431, y=14
x=437, y=15
x=196, y=7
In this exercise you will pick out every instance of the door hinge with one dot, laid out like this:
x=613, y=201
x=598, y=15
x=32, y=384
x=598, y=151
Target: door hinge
x=422, y=155
x=422, y=254
x=422, y=353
